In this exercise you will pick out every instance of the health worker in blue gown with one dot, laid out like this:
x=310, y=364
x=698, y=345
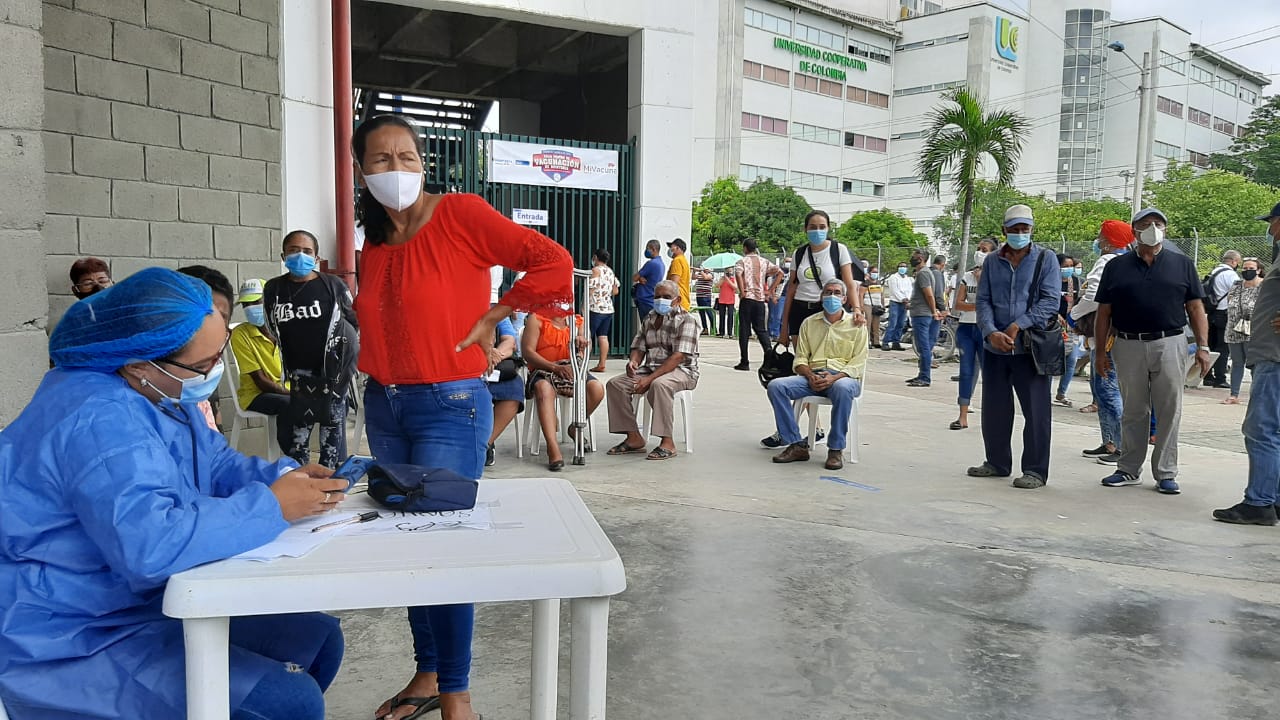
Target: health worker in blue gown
x=111, y=482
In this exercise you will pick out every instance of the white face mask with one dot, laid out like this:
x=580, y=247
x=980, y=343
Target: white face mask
x=395, y=190
x=1151, y=235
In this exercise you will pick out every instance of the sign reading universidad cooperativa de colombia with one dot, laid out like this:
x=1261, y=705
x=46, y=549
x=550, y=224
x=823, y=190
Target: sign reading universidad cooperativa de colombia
x=831, y=64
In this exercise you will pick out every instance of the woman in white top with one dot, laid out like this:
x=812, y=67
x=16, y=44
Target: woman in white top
x=602, y=286
x=815, y=265
x=968, y=337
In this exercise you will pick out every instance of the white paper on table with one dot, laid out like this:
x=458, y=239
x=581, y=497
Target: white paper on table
x=477, y=518
x=297, y=539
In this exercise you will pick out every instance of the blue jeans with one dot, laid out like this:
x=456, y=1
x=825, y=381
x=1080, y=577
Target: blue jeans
x=1106, y=393
x=924, y=333
x=1262, y=435
x=897, y=324
x=301, y=654
x=1074, y=352
x=783, y=391
x=443, y=425
x=775, y=318
x=969, y=343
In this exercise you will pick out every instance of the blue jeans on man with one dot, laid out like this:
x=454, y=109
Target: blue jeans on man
x=444, y=425
x=1106, y=393
x=897, y=324
x=924, y=334
x=785, y=390
x=775, y=317
x=1262, y=435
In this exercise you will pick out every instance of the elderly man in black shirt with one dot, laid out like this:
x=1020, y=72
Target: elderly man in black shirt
x=1147, y=296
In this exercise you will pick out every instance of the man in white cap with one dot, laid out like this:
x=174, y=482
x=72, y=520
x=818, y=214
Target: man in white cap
x=259, y=387
x=1146, y=297
x=1020, y=289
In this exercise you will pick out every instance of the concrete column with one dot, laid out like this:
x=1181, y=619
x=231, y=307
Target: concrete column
x=729, y=52
x=307, y=114
x=24, y=303
x=660, y=115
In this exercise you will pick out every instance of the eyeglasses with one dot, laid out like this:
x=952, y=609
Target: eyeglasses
x=202, y=373
x=90, y=284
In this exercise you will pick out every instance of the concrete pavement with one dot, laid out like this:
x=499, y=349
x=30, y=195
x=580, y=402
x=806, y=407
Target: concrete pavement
x=770, y=590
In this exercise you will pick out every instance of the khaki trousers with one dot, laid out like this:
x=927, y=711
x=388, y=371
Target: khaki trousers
x=622, y=414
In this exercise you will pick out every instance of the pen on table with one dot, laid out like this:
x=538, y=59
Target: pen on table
x=361, y=518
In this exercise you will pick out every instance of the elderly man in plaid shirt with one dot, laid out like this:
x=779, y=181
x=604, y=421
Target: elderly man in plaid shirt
x=663, y=361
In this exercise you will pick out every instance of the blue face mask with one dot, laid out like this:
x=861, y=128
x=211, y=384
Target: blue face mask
x=194, y=389
x=648, y=254
x=1068, y=272
x=1078, y=271
x=875, y=276
x=300, y=264
x=832, y=304
x=1017, y=241
x=902, y=271
x=671, y=254
x=256, y=315
x=816, y=237
x=662, y=306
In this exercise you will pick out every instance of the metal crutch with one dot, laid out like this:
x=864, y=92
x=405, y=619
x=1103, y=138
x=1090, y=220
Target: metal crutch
x=580, y=365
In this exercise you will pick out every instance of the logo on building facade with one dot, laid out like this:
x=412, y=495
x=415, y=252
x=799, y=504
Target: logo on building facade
x=557, y=164
x=1006, y=39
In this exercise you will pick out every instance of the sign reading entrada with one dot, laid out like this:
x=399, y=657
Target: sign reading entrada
x=825, y=56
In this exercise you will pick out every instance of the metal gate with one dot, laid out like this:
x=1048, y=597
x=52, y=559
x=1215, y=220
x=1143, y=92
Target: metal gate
x=580, y=220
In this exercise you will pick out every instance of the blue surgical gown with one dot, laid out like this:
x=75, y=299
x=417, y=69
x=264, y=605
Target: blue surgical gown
x=103, y=496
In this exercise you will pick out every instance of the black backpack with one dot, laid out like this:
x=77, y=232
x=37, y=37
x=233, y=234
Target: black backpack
x=777, y=363
x=1207, y=283
x=856, y=268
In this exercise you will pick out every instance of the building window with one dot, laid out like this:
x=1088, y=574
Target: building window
x=1248, y=96
x=866, y=142
x=913, y=135
x=933, y=42
x=867, y=97
x=811, y=181
x=1224, y=126
x=904, y=180
x=1169, y=107
x=1199, y=74
x=754, y=173
x=1240, y=131
x=869, y=51
x=862, y=187
x=1165, y=150
x=750, y=121
x=765, y=21
x=819, y=37
x=767, y=73
x=1198, y=159
x=1173, y=62
x=813, y=133
x=1225, y=85
x=806, y=82
x=921, y=89
x=833, y=89
x=764, y=123
x=752, y=70
x=1199, y=117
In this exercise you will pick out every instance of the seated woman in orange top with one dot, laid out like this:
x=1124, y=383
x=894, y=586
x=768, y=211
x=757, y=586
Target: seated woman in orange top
x=545, y=347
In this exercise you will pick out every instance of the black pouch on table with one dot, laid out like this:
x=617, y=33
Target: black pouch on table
x=414, y=488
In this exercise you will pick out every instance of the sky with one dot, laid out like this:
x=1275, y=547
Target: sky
x=1246, y=21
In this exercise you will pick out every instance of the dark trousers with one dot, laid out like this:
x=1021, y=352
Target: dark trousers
x=725, y=312
x=1217, y=343
x=704, y=301
x=269, y=404
x=751, y=316
x=1002, y=377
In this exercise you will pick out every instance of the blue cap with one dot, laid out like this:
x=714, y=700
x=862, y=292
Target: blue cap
x=1275, y=213
x=1144, y=212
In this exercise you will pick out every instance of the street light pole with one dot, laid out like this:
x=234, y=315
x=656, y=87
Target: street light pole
x=1144, y=107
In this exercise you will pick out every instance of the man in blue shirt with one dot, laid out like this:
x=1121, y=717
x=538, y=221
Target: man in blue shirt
x=648, y=277
x=1019, y=289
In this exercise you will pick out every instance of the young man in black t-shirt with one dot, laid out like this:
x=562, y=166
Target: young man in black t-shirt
x=312, y=316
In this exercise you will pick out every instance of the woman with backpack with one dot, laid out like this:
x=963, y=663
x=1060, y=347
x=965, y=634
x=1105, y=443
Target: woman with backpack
x=821, y=260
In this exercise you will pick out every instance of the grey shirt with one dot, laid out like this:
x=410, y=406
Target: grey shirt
x=1264, y=342
x=926, y=278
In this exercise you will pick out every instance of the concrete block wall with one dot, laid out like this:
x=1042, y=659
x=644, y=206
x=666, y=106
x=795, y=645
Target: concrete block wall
x=162, y=123
x=24, y=305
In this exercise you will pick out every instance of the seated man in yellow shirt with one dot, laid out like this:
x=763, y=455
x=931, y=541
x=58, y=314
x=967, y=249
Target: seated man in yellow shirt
x=258, y=357
x=831, y=357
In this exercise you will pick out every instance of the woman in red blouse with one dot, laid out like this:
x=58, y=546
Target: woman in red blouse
x=426, y=330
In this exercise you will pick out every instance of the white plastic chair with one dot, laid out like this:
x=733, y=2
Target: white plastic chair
x=684, y=398
x=231, y=381
x=533, y=431
x=813, y=402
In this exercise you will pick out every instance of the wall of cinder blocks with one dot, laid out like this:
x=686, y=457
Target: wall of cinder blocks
x=161, y=136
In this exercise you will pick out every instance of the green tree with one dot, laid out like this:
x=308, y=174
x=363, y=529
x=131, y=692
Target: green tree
x=990, y=200
x=1255, y=154
x=725, y=215
x=961, y=134
x=1075, y=223
x=883, y=237
x=1214, y=203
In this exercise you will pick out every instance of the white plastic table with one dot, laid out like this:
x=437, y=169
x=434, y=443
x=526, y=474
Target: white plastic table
x=557, y=552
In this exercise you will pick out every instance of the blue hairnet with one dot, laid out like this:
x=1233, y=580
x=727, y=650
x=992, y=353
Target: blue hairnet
x=147, y=316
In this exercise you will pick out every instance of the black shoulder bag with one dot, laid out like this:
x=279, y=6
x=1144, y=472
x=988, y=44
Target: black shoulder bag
x=1044, y=344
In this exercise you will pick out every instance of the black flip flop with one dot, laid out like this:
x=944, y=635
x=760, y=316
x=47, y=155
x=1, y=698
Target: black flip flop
x=623, y=448
x=955, y=425
x=424, y=705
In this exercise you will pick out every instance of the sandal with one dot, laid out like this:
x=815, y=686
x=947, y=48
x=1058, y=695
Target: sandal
x=660, y=453
x=623, y=448
x=1090, y=408
x=957, y=425
x=424, y=705
x=1231, y=401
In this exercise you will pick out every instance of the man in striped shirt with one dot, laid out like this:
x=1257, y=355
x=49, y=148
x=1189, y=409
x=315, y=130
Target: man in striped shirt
x=754, y=274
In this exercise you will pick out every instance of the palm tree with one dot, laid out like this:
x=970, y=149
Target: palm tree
x=961, y=133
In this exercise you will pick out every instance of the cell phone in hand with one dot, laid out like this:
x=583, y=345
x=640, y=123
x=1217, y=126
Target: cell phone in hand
x=353, y=468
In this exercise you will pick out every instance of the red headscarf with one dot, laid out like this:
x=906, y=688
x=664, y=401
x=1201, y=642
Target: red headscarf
x=1115, y=234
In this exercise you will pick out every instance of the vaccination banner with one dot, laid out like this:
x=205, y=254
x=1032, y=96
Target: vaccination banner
x=553, y=166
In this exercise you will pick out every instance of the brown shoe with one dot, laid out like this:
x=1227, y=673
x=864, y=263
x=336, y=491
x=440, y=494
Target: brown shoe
x=794, y=453
x=834, y=460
